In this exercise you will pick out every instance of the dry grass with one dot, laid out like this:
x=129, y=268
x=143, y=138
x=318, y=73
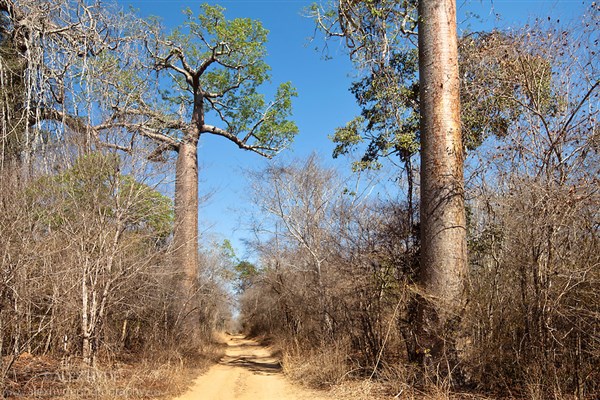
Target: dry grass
x=359, y=390
x=316, y=368
x=328, y=368
x=379, y=390
x=161, y=376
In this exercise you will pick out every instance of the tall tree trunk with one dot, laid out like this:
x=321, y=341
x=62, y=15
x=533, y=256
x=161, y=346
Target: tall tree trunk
x=443, y=228
x=185, y=235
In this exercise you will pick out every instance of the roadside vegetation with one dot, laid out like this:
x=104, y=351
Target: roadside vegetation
x=339, y=267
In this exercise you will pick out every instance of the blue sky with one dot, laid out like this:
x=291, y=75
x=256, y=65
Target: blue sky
x=324, y=101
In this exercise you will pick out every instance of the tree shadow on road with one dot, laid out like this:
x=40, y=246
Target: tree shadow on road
x=261, y=365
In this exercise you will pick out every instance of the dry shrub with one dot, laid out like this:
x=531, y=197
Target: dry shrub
x=534, y=312
x=531, y=328
x=398, y=377
x=163, y=374
x=55, y=244
x=321, y=367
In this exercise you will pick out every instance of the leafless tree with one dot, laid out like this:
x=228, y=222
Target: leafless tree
x=534, y=225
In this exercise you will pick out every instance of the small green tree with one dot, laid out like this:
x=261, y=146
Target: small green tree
x=110, y=225
x=246, y=273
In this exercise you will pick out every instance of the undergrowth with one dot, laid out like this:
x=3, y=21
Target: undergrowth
x=150, y=375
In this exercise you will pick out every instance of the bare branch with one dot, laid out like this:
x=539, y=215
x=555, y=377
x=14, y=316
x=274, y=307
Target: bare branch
x=262, y=150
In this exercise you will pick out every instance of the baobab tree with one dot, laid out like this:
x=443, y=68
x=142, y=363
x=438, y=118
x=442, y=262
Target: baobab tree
x=214, y=68
x=443, y=226
x=402, y=112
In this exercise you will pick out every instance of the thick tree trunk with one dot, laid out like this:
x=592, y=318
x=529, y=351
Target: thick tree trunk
x=443, y=227
x=185, y=235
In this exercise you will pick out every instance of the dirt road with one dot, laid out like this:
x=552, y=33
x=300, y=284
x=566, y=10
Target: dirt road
x=248, y=371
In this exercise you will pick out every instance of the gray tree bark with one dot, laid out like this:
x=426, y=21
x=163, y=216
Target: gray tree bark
x=185, y=235
x=443, y=226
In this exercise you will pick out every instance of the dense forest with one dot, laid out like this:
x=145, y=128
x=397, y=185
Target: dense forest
x=482, y=282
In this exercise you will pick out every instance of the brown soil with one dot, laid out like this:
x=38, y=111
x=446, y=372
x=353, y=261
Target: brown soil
x=247, y=371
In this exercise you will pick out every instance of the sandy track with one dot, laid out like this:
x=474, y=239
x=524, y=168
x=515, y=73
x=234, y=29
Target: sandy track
x=248, y=371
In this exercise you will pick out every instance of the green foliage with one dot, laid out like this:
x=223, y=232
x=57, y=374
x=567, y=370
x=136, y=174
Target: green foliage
x=224, y=60
x=246, y=273
x=227, y=250
x=240, y=271
x=277, y=130
x=239, y=43
x=150, y=208
x=348, y=136
x=94, y=190
x=498, y=79
x=389, y=120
